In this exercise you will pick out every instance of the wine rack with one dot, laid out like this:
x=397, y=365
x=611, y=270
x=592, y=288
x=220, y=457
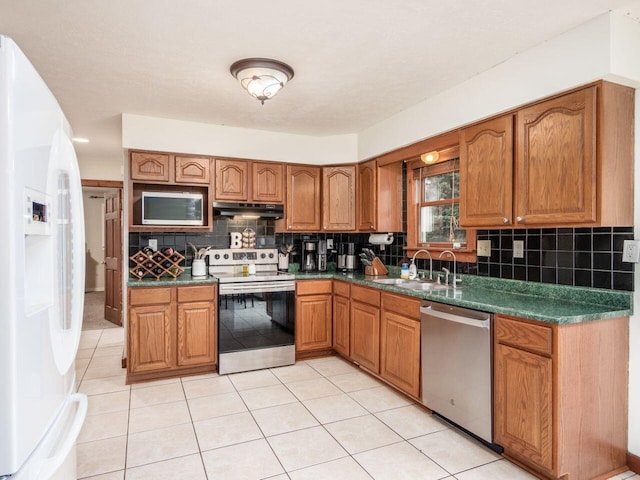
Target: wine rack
x=156, y=264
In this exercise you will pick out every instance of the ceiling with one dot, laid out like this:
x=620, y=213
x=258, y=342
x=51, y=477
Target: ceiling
x=356, y=62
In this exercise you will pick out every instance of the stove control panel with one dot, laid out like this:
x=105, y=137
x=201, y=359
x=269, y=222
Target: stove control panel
x=241, y=256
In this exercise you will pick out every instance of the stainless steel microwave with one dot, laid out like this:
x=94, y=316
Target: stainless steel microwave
x=169, y=208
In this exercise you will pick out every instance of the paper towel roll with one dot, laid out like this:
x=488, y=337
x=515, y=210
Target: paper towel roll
x=381, y=238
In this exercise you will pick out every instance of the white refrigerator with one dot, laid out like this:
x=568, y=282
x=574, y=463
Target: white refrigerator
x=41, y=276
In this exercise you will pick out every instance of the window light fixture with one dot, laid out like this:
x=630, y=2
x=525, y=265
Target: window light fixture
x=430, y=157
x=262, y=78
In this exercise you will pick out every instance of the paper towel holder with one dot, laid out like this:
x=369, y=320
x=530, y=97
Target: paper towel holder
x=381, y=238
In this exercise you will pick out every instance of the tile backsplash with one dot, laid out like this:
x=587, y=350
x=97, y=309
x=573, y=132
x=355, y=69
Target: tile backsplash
x=589, y=257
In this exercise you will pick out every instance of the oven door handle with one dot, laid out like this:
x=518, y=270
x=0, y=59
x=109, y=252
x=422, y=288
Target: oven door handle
x=262, y=287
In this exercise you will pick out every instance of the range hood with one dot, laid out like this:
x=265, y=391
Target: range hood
x=255, y=210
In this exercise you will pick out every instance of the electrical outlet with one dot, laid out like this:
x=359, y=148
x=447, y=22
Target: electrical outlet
x=484, y=248
x=153, y=244
x=631, y=251
x=518, y=249
x=329, y=243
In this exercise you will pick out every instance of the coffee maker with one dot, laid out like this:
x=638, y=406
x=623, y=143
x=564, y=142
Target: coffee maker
x=346, y=257
x=322, y=256
x=309, y=256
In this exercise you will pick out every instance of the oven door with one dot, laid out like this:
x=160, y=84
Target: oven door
x=256, y=325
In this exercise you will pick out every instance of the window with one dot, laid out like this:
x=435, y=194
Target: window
x=437, y=202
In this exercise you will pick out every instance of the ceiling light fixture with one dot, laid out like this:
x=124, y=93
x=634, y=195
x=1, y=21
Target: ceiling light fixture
x=80, y=140
x=430, y=157
x=262, y=78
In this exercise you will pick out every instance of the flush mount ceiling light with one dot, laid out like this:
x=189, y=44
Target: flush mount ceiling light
x=261, y=77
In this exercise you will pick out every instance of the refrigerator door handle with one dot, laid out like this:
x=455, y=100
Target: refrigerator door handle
x=53, y=463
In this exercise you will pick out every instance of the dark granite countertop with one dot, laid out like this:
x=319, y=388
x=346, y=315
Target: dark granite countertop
x=557, y=304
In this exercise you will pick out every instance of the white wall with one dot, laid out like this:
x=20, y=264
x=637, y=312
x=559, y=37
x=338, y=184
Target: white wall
x=94, y=240
x=163, y=134
x=569, y=60
x=92, y=169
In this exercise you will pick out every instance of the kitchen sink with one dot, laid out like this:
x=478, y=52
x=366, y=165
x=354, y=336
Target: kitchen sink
x=391, y=281
x=424, y=286
x=417, y=285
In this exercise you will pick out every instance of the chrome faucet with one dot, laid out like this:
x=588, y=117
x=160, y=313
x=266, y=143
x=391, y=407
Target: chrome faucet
x=413, y=269
x=455, y=280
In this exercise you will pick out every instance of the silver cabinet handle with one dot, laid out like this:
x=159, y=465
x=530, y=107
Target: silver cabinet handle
x=505, y=220
x=519, y=219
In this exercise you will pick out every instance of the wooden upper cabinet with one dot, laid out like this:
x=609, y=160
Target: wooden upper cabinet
x=556, y=160
x=192, y=170
x=339, y=198
x=486, y=173
x=367, y=196
x=232, y=180
x=303, y=198
x=268, y=182
x=150, y=167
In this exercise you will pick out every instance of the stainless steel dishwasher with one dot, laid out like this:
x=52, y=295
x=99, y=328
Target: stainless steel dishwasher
x=456, y=366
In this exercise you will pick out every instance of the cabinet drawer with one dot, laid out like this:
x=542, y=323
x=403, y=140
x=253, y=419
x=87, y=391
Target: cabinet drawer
x=149, y=296
x=365, y=295
x=534, y=338
x=341, y=288
x=198, y=293
x=313, y=287
x=407, y=306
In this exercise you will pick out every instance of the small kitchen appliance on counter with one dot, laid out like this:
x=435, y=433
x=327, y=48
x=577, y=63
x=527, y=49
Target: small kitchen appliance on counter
x=347, y=257
x=309, y=256
x=322, y=256
x=256, y=310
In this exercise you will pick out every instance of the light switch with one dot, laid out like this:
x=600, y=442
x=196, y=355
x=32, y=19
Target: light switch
x=153, y=244
x=518, y=249
x=484, y=248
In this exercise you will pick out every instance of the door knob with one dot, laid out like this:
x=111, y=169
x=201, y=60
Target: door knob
x=505, y=220
x=519, y=219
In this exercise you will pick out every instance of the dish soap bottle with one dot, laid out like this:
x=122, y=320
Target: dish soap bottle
x=404, y=272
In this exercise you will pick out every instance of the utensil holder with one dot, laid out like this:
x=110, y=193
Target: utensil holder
x=376, y=268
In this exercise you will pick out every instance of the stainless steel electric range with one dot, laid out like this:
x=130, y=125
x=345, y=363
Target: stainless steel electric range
x=256, y=311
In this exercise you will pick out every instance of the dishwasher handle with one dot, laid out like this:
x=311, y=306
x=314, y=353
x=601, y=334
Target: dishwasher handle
x=475, y=319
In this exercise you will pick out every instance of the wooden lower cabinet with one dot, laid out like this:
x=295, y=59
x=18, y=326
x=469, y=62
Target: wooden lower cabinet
x=196, y=327
x=364, y=327
x=313, y=315
x=171, y=331
x=341, y=317
x=524, y=405
x=400, y=342
x=151, y=333
x=560, y=395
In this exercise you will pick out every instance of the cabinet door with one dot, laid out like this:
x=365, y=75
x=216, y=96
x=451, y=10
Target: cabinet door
x=367, y=196
x=303, y=198
x=486, y=173
x=339, y=198
x=150, y=341
x=364, y=335
x=192, y=170
x=268, y=182
x=313, y=322
x=400, y=352
x=341, y=325
x=556, y=161
x=523, y=409
x=151, y=167
x=232, y=180
x=196, y=333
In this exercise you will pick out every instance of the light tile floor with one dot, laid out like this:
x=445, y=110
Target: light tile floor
x=318, y=419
